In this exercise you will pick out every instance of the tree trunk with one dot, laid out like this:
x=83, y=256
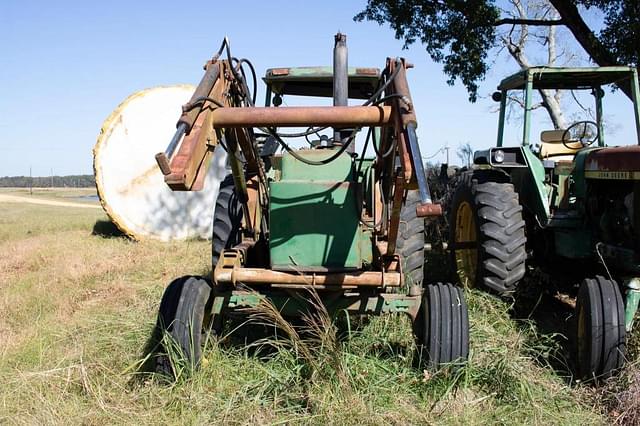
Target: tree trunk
x=587, y=39
x=516, y=48
x=551, y=104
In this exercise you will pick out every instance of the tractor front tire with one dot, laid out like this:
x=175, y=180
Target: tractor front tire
x=600, y=329
x=442, y=327
x=487, y=233
x=184, y=320
x=410, y=242
x=227, y=219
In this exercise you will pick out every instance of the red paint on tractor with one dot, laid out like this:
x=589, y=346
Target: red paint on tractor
x=623, y=158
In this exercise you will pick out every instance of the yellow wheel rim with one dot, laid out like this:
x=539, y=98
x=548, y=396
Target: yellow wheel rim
x=466, y=245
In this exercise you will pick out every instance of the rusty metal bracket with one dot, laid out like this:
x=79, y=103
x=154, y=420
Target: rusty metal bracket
x=230, y=260
x=185, y=169
x=407, y=123
x=394, y=220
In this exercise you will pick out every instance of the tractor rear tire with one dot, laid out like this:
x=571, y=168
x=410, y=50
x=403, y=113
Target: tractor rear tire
x=600, y=337
x=487, y=233
x=227, y=219
x=185, y=320
x=442, y=327
x=410, y=242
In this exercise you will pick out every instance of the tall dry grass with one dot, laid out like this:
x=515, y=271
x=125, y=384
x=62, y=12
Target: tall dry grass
x=77, y=309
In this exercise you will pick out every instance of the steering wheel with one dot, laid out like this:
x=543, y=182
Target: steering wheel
x=586, y=132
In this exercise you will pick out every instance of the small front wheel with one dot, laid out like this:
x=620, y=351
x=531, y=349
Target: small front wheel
x=184, y=320
x=601, y=329
x=442, y=326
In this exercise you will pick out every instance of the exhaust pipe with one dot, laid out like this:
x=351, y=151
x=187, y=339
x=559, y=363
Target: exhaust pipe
x=341, y=84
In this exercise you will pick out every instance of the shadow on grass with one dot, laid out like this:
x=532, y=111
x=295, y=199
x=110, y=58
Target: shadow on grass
x=153, y=358
x=545, y=314
x=252, y=337
x=239, y=333
x=547, y=321
x=107, y=229
x=150, y=352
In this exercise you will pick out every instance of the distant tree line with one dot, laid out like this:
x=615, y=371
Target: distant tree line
x=72, y=181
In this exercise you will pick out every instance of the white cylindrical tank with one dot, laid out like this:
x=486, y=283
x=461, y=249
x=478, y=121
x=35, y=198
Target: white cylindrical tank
x=130, y=185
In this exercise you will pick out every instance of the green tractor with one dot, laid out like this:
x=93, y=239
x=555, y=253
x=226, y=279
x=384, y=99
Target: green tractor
x=569, y=206
x=323, y=223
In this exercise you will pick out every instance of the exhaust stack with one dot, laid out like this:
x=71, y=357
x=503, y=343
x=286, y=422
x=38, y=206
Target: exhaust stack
x=341, y=84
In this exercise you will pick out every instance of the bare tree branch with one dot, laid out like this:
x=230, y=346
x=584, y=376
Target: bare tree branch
x=586, y=38
x=465, y=153
x=532, y=22
x=520, y=102
x=550, y=98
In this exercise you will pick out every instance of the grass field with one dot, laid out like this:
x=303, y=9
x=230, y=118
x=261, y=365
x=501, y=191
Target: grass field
x=76, y=310
x=74, y=194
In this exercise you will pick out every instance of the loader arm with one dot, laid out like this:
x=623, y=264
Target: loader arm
x=221, y=112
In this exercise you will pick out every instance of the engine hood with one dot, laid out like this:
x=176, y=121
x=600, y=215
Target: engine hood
x=616, y=159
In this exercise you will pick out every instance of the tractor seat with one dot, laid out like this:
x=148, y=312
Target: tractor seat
x=553, y=148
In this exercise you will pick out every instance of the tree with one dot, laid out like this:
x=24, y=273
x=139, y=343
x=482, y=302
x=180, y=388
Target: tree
x=465, y=153
x=460, y=33
x=516, y=39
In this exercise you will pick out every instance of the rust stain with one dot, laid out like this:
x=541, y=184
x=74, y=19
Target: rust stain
x=367, y=71
x=280, y=71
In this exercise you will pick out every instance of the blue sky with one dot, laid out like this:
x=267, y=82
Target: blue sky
x=67, y=64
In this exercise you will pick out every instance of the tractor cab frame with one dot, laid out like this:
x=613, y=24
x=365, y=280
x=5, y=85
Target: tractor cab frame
x=552, y=180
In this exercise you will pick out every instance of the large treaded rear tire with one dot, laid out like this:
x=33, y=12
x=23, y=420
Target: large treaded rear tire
x=442, y=326
x=410, y=242
x=600, y=329
x=227, y=218
x=497, y=259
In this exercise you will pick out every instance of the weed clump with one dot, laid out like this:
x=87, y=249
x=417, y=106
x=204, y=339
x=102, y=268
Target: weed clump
x=618, y=395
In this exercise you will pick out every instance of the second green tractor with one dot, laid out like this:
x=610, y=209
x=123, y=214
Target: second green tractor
x=567, y=204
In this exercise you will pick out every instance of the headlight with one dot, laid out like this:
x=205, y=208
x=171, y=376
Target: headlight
x=498, y=156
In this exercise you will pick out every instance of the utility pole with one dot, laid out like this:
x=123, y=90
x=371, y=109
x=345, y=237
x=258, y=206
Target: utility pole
x=52, y=178
x=30, y=182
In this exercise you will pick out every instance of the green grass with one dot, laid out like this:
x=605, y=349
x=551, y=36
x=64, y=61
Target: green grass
x=51, y=192
x=77, y=309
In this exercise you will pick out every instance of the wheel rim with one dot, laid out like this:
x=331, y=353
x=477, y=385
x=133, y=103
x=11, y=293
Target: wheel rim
x=466, y=237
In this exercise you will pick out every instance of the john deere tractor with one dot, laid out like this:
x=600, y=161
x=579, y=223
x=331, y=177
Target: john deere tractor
x=293, y=226
x=568, y=204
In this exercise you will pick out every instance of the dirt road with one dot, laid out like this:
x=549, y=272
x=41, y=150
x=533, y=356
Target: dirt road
x=6, y=198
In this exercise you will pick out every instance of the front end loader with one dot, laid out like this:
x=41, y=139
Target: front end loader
x=324, y=219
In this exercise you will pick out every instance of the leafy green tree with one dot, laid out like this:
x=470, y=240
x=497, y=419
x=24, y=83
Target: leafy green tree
x=621, y=34
x=460, y=33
